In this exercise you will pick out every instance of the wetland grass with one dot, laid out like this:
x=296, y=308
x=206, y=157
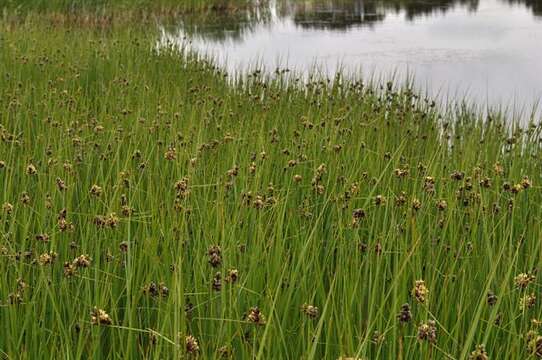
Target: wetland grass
x=153, y=209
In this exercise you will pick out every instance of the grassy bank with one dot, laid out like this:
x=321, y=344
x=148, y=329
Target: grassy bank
x=151, y=209
x=105, y=13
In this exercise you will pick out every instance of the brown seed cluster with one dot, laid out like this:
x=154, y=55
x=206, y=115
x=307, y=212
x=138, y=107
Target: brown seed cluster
x=100, y=317
x=156, y=290
x=310, y=310
x=479, y=353
x=428, y=332
x=215, y=256
x=523, y=280
x=420, y=291
x=191, y=344
x=255, y=316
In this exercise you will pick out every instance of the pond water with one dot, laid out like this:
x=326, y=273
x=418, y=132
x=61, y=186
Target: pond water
x=486, y=51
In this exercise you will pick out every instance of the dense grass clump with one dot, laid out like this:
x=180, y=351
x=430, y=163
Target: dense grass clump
x=152, y=209
x=93, y=5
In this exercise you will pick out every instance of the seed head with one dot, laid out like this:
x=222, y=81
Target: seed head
x=191, y=344
x=95, y=190
x=404, y=315
x=535, y=346
x=154, y=290
x=82, y=261
x=380, y=200
x=526, y=183
x=215, y=257
x=527, y=301
x=31, y=169
x=42, y=237
x=310, y=310
x=491, y=298
x=170, y=154
x=255, y=316
x=217, y=282
x=47, y=258
x=420, y=291
x=457, y=175
x=428, y=332
x=479, y=353
x=233, y=275
x=123, y=246
x=442, y=205
x=61, y=184
x=7, y=208
x=69, y=269
x=523, y=280
x=100, y=317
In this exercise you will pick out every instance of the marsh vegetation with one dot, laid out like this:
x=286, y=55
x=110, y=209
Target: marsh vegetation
x=154, y=208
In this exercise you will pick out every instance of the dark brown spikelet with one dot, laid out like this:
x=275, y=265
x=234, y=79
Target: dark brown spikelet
x=310, y=310
x=42, y=237
x=416, y=204
x=523, y=280
x=491, y=298
x=535, y=345
x=225, y=352
x=63, y=223
x=479, y=353
x=233, y=275
x=255, y=316
x=215, y=255
x=31, y=169
x=95, y=190
x=457, y=175
x=405, y=314
x=100, y=317
x=69, y=269
x=191, y=344
x=15, y=298
x=379, y=200
x=61, y=184
x=442, y=205
x=357, y=216
x=428, y=332
x=217, y=281
x=525, y=183
x=156, y=290
x=47, y=258
x=123, y=246
x=82, y=261
x=420, y=291
x=182, y=188
x=527, y=301
x=170, y=154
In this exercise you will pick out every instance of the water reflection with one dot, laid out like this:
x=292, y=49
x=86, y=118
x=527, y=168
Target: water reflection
x=341, y=15
x=534, y=5
x=487, y=51
x=338, y=15
x=226, y=26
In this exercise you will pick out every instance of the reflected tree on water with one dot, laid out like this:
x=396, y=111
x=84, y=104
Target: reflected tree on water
x=334, y=15
x=534, y=5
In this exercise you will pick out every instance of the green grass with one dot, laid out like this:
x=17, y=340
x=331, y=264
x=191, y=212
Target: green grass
x=120, y=9
x=87, y=107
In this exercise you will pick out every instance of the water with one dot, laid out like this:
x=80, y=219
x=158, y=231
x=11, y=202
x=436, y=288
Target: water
x=486, y=51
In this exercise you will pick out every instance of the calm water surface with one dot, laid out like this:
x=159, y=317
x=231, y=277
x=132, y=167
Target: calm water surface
x=489, y=51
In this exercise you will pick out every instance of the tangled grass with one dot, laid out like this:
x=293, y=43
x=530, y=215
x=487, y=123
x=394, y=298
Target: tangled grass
x=152, y=209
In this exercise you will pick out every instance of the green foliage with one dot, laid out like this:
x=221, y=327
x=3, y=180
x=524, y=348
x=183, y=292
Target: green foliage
x=132, y=176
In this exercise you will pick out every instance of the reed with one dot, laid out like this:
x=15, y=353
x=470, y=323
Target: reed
x=151, y=208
